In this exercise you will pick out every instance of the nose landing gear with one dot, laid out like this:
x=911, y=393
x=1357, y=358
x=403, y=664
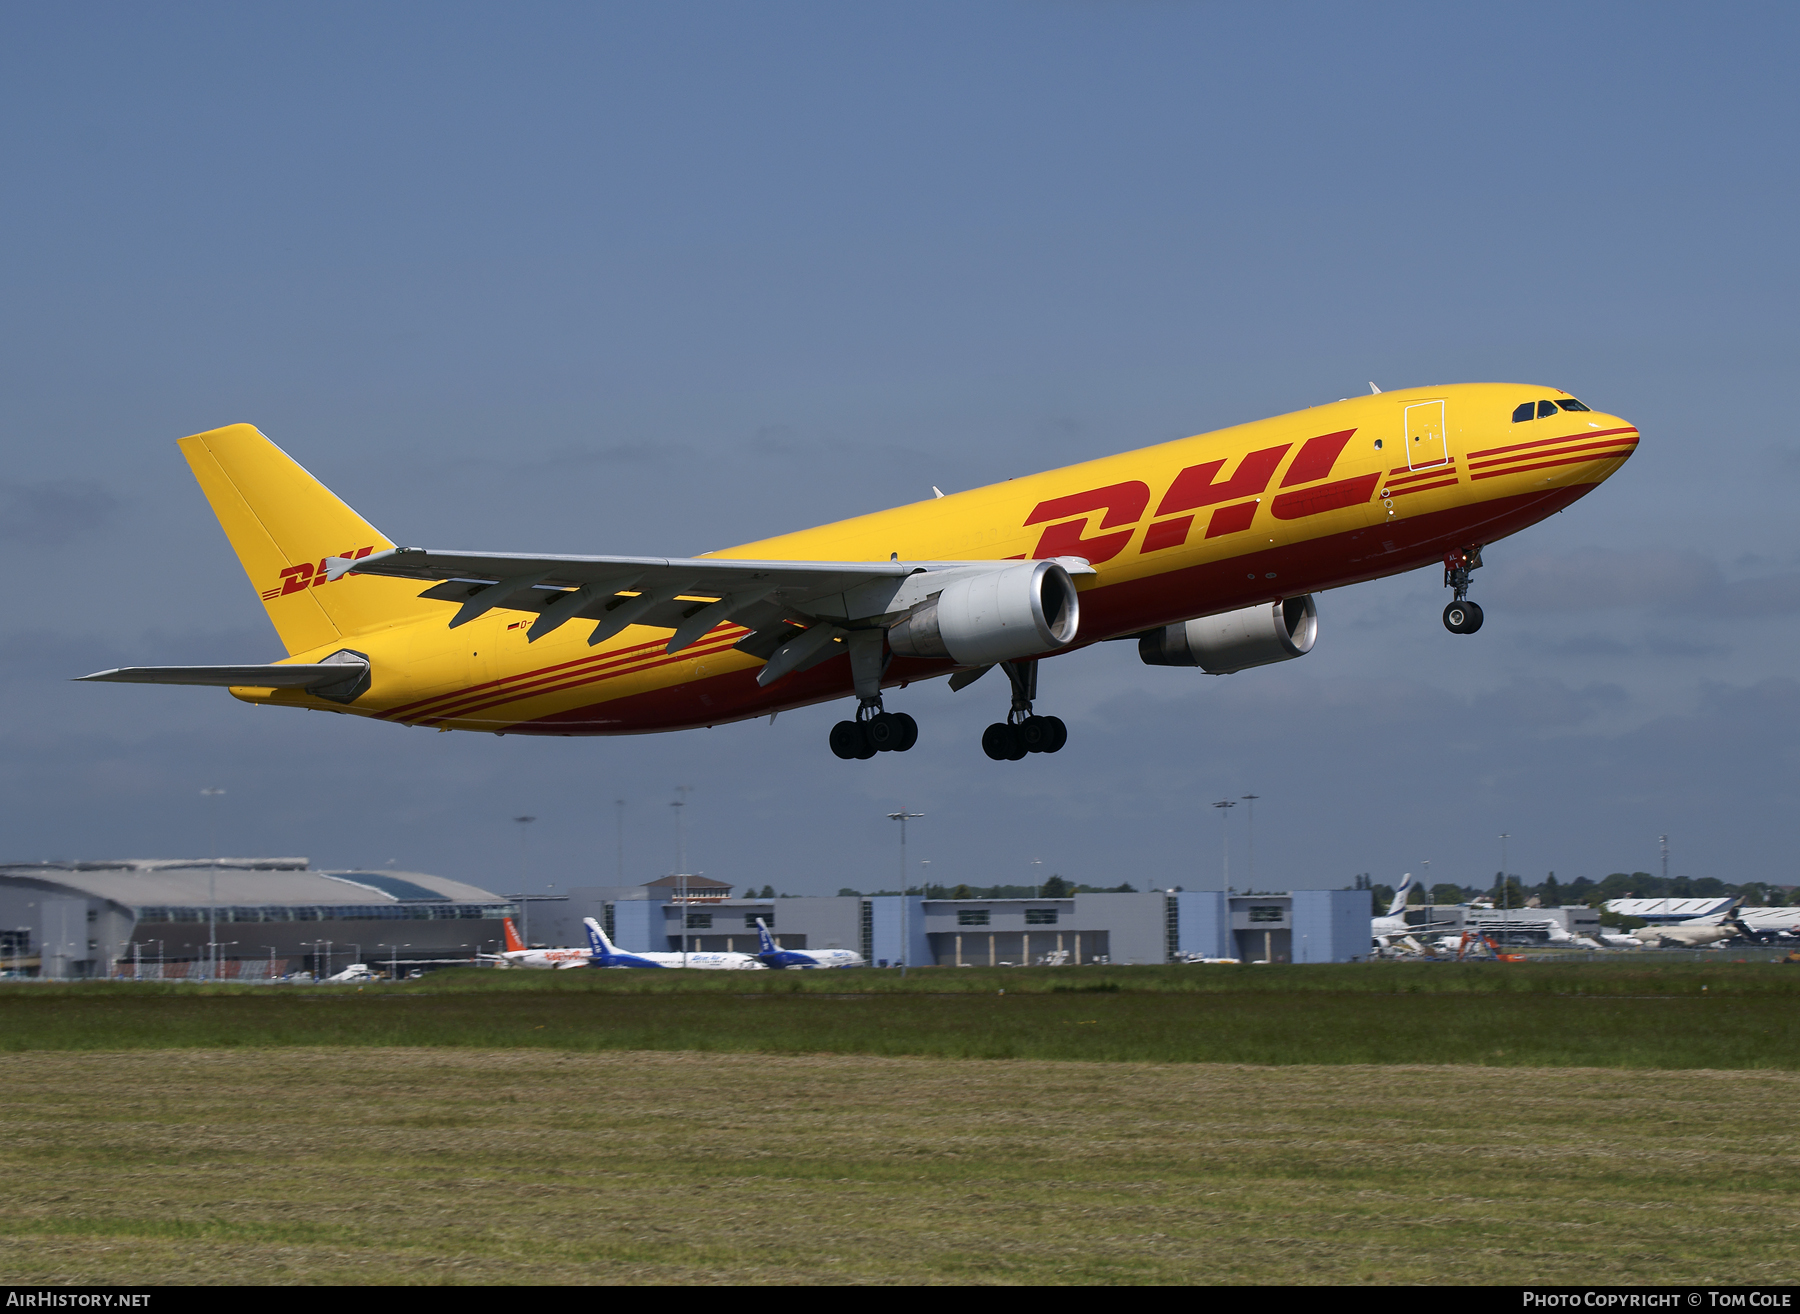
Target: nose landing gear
x=1023, y=731
x=1461, y=616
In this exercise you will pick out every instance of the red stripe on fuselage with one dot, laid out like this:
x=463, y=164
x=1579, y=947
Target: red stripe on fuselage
x=551, y=686
x=1551, y=451
x=1420, y=488
x=555, y=679
x=592, y=662
x=1544, y=465
x=1436, y=472
x=1544, y=442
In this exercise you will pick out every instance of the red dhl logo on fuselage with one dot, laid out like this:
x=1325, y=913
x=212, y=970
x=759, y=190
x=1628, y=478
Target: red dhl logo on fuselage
x=1197, y=488
x=308, y=576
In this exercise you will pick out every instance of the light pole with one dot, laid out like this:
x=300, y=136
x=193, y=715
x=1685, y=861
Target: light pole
x=681, y=871
x=212, y=881
x=271, y=949
x=1503, y=895
x=394, y=958
x=1225, y=838
x=524, y=829
x=1250, y=800
x=903, y=816
x=1662, y=842
x=619, y=807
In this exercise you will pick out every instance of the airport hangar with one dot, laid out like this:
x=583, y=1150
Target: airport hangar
x=72, y=920
x=1302, y=926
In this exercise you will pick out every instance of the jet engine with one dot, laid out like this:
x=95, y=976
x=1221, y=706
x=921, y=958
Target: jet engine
x=994, y=616
x=1236, y=640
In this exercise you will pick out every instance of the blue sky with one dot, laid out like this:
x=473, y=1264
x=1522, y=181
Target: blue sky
x=662, y=278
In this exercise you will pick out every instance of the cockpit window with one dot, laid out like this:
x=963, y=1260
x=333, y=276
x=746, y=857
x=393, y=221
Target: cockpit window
x=1546, y=408
x=1570, y=404
x=1526, y=412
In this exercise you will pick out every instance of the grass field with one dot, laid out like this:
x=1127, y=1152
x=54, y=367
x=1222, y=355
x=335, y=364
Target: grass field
x=418, y=1165
x=1621, y=1122
x=1520, y=1015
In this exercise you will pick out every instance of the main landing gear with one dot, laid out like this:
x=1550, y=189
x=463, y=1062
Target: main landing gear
x=1023, y=731
x=1461, y=616
x=874, y=730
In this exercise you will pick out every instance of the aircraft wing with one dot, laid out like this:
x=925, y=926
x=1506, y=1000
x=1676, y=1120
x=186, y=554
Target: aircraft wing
x=794, y=606
x=280, y=676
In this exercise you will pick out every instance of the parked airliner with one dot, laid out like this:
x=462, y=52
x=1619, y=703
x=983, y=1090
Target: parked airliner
x=1392, y=929
x=604, y=953
x=773, y=955
x=1206, y=551
x=517, y=955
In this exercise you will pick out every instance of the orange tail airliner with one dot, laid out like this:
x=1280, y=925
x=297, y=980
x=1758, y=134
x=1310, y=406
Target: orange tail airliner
x=1206, y=550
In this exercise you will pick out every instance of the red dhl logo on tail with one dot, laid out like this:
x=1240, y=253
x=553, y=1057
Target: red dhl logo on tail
x=308, y=576
x=1195, y=489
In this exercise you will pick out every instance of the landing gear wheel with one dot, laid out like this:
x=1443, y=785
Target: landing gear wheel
x=1042, y=734
x=881, y=731
x=891, y=732
x=1001, y=742
x=906, y=732
x=848, y=741
x=1462, y=618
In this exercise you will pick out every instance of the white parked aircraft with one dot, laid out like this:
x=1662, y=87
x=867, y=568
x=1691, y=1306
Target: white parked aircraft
x=1697, y=932
x=604, y=953
x=1387, y=930
x=354, y=974
x=773, y=955
x=517, y=955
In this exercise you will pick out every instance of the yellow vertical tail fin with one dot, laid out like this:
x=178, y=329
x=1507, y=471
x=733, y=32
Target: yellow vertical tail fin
x=283, y=523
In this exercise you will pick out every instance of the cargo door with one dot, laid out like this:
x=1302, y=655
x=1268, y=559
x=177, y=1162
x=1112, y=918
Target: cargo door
x=1426, y=444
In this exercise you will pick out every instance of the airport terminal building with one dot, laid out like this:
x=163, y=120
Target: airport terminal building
x=1302, y=926
x=155, y=918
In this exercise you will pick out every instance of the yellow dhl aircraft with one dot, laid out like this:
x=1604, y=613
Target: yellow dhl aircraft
x=1206, y=551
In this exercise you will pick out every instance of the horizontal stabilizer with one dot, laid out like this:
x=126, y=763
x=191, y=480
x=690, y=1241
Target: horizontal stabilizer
x=284, y=676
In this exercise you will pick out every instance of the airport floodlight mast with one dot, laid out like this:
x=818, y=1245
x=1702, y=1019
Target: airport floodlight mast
x=619, y=806
x=681, y=871
x=1503, y=891
x=212, y=881
x=1662, y=842
x=1250, y=801
x=524, y=864
x=903, y=816
x=1225, y=839
x=393, y=958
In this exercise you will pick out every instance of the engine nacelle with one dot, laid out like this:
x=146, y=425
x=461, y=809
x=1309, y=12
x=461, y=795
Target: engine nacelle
x=1236, y=640
x=995, y=616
